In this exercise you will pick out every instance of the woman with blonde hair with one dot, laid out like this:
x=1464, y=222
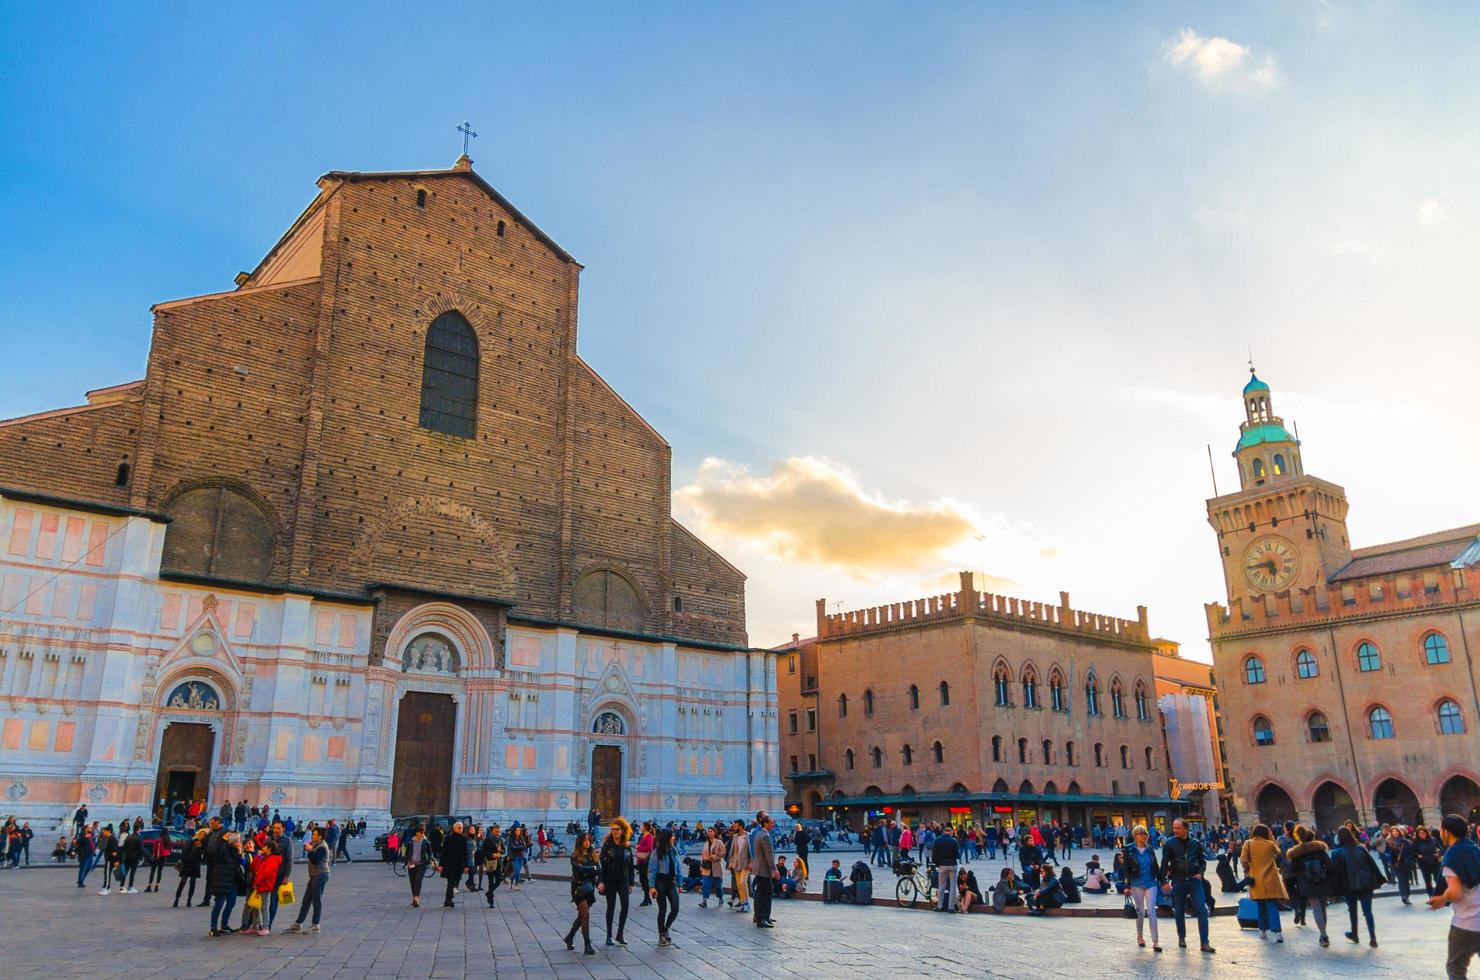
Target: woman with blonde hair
x=1141, y=873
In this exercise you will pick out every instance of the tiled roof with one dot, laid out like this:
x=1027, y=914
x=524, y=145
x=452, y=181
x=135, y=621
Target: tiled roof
x=1440, y=548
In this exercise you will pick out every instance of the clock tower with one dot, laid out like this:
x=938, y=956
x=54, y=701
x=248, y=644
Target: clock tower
x=1283, y=530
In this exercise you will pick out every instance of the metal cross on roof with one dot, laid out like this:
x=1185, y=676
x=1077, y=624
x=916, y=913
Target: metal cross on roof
x=467, y=130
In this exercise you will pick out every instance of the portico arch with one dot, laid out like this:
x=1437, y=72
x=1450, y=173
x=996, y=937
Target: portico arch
x=1274, y=804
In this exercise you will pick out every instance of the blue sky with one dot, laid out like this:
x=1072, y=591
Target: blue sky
x=914, y=272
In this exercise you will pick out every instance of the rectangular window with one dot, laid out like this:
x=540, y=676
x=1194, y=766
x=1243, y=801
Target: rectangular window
x=791, y=664
x=811, y=762
x=791, y=723
x=793, y=763
x=811, y=719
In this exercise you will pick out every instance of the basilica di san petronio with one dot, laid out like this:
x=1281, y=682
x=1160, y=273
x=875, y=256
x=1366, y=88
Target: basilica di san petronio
x=372, y=591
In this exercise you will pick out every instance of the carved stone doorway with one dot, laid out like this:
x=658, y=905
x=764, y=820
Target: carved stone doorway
x=606, y=780
x=184, y=766
x=421, y=782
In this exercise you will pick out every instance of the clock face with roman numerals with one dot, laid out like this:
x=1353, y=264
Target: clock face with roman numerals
x=1271, y=564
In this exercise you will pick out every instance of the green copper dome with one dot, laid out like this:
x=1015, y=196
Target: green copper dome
x=1264, y=432
x=1255, y=384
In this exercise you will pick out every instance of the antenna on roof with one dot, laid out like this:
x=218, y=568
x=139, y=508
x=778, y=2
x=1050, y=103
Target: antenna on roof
x=1251, y=346
x=1212, y=470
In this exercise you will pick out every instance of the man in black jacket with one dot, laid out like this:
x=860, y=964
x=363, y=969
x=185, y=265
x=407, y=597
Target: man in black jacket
x=212, y=852
x=1182, y=865
x=453, y=859
x=944, y=854
x=282, y=847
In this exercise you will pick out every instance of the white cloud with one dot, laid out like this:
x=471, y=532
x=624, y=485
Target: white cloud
x=1433, y=211
x=1370, y=250
x=1219, y=63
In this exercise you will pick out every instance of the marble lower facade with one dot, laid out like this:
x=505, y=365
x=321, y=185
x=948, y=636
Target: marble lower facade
x=127, y=690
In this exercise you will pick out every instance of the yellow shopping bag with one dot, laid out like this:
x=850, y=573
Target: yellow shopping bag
x=285, y=893
x=254, y=900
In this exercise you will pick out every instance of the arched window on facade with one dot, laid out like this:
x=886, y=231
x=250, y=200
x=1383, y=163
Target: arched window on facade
x=1263, y=731
x=1099, y=755
x=1056, y=697
x=1253, y=669
x=1258, y=469
x=1435, y=649
x=1092, y=696
x=996, y=748
x=842, y=705
x=1143, y=705
x=1023, y=751
x=939, y=752
x=1305, y=665
x=1380, y=723
x=1318, y=727
x=1279, y=465
x=606, y=598
x=848, y=759
x=878, y=755
x=868, y=703
x=1047, y=752
x=1369, y=658
x=1069, y=754
x=1150, y=758
x=914, y=698
x=1451, y=721
x=219, y=532
x=1030, y=688
x=908, y=755
x=449, y=377
x=945, y=694
x=1117, y=699
x=1001, y=682
x=1125, y=757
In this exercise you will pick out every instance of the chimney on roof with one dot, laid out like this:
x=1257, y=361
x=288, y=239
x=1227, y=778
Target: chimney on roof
x=464, y=162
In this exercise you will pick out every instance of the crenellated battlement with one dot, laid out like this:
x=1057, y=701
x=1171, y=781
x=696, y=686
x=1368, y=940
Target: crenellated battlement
x=983, y=605
x=1374, y=595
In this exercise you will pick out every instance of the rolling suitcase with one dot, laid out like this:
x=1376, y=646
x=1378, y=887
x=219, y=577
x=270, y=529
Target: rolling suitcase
x=863, y=893
x=1248, y=914
x=832, y=890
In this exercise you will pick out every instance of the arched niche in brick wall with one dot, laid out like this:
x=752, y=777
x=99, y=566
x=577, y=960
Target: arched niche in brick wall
x=221, y=530
x=607, y=597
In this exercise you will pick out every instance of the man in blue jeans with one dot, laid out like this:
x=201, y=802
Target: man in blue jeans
x=1182, y=865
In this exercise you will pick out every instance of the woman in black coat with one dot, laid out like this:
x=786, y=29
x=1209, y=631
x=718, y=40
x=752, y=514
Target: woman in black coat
x=453, y=859
x=189, y=868
x=618, y=875
x=226, y=873
x=1430, y=857
x=585, y=872
x=1356, y=877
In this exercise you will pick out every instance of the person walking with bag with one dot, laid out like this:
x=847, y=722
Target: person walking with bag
x=1357, y=877
x=1142, y=874
x=643, y=852
x=584, y=874
x=417, y=855
x=618, y=875
x=666, y=872
x=189, y=867
x=712, y=868
x=491, y=857
x=317, y=854
x=282, y=846
x=453, y=859
x=1311, y=864
x=264, y=875
x=1260, y=857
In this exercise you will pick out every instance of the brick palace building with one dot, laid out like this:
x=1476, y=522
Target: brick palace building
x=974, y=706
x=1348, y=678
x=371, y=538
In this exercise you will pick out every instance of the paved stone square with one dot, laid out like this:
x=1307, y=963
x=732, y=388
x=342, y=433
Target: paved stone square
x=54, y=929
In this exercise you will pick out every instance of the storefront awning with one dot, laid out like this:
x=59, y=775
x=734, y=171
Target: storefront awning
x=1036, y=800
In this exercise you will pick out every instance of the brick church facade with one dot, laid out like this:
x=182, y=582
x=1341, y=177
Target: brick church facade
x=1346, y=676
x=371, y=537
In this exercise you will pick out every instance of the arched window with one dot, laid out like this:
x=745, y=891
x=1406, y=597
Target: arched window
x=1435, y=649
x=1254, y=670
x=1023, y=750
x=1451, y=722
x=939, y=752
x=848, y=759
x=1279, y=465
x=842, y=705
x=878, y=754
x=449, y=377
x=1305, y=665
x=1047, y=752
x=1056, y=696
x=220, y=532
x=914, y=698
x=1258, y=469
x=1263, y=731
x=1380, y=723
x=1092, y=696
x=1125, y=757
x=1368, y=658
x=945, y=694
x=908, y=754
x=1001, y=681
x=996, y=748
x=1150, y=758
x=868, y=703
x=1117, y=699
x=606, y=598
x=1318, y=727
x=1143, y=703
x=1030, y=689
x=1069, y=754
x=1099, y=755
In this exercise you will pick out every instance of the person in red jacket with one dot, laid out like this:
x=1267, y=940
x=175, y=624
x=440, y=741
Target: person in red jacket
x=264, y=880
